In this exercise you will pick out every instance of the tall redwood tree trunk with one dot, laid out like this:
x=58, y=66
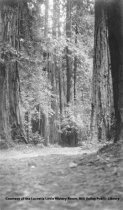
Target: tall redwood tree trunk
x=10, y=118
x=107, y=94
x=115, y=23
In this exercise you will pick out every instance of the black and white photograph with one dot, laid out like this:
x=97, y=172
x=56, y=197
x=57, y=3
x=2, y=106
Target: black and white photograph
x=61, y=104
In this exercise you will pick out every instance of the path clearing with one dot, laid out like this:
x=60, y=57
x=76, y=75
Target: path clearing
x=59, y=172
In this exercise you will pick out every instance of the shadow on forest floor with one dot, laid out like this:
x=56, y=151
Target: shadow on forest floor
x=61, y=172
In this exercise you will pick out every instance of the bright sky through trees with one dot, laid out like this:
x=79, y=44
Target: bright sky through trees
x=50, y=19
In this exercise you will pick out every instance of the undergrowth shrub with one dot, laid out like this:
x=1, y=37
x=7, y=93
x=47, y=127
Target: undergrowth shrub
x=36, y=138
x=75, y=126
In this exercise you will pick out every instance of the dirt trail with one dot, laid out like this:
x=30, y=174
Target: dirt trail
x=59, y=172
x=29, y=152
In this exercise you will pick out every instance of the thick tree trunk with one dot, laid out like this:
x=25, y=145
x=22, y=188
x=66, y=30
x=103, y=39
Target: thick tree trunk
x=54, y=136
x=10, y=118
x=107, y=96
x=102, y=94
x=115, y=23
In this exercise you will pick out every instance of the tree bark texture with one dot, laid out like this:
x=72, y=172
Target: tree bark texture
x=115, y=23
x=10, y=118
x=107, y=94
x=102, y=93
x=54, y=136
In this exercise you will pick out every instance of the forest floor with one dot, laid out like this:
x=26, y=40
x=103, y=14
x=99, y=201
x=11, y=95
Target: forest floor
x=61, y=178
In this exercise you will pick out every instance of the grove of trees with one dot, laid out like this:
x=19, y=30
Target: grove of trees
x=49, y=93
x=46, y=50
